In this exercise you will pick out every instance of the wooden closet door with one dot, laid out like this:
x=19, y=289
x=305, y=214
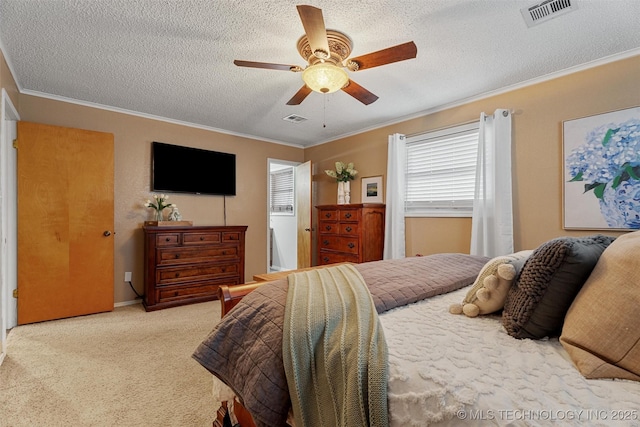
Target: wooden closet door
x=65, y=222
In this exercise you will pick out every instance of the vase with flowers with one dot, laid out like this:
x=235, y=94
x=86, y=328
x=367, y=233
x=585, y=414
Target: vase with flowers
x=343, y=174
x=608, y=163
x=158, y=204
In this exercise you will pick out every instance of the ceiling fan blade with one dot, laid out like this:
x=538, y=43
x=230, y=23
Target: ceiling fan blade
x=314, y=28
x=299, y=96
x=385, y=56
x=360, y=93
x=267, y=65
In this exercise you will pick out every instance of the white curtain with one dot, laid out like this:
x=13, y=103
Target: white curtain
x=492, y=223
x=394, y=241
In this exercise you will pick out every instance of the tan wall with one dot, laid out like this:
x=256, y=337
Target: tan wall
x=7, y=81
x=133, y=136
x=537, y=152
x=539, y=110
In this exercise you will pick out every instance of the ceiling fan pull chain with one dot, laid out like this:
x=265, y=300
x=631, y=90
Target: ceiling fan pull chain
x=324, y=113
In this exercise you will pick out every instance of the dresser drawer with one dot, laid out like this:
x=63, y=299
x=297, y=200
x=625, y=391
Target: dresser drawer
x=166, y=239
x=329, y=214
x=184, y=255
x=349, y=215
x=348, y=228
x=330, y=227
x=339, y=243
x=200, y=238
x=231, y=237
x=165, y=276
x=334, y=257
x=206, y=290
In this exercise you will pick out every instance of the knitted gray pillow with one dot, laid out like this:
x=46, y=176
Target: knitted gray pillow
x=550, y=280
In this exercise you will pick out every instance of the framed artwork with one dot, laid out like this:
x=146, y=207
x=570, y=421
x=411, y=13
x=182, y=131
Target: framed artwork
x=372, y=189
x=601, y=171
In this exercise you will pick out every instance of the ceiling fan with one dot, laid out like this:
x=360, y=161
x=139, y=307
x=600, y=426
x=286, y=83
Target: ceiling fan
x=326, y=53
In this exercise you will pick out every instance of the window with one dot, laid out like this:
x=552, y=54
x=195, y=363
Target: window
x=282, y=191
x=441, y=172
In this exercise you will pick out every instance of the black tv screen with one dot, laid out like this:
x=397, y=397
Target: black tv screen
x=181, y=169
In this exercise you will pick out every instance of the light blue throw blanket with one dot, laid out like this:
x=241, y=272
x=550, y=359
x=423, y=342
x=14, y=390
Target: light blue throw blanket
x=334, y=350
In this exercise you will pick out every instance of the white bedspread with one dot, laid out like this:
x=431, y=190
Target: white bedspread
x=453, y=370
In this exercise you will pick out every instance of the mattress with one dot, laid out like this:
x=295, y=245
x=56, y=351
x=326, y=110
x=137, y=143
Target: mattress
x=452, y=370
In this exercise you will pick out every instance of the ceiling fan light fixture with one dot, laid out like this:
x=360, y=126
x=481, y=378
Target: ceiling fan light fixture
x=325, y=77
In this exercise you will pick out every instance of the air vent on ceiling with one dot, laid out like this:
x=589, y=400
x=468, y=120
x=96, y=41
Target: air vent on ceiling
x=293, y=118
x=542, y=12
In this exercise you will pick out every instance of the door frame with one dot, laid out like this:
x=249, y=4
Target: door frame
x=271, y=162
x=8, y=224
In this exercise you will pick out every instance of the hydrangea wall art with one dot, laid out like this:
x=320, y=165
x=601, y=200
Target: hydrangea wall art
x=602, y=171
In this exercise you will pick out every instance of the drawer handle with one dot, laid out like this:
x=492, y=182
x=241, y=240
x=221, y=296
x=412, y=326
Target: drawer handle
x=223, y=269
x=177, y=275
x=328, y=227
x=349, y=229
x=325, y=242
x=201, y=238
x=351, y=245
x=328, y=215
x=347, y=215
x=325, y=259
x=168, y=239
x=224, y=252
x=177, y=256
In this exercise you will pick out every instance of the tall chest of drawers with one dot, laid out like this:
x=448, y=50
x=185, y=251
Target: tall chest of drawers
x=350, y=233
x=185, y=265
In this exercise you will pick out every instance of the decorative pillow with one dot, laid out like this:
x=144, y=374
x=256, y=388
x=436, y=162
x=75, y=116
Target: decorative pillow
x=489, y=290
x=551, y=278
x=601, y=331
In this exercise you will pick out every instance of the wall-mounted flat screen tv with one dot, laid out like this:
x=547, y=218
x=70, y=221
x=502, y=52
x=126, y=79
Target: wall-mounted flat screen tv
x=179, y=169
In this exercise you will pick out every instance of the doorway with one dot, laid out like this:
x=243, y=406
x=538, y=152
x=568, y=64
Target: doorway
x=288, y=215
x=8, y=222
x=282, y=239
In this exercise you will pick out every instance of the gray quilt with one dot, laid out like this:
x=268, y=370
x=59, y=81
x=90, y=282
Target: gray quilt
x=245, y=349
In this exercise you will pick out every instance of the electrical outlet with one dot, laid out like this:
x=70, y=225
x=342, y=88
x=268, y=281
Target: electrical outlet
x=127, y=276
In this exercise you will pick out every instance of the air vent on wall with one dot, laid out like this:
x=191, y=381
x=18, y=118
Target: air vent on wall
x=293, y=118
x=542, y=12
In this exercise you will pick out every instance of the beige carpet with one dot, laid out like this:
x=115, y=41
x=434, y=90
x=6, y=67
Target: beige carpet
x=124, y=368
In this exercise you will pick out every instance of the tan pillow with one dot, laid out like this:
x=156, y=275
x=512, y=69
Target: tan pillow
x=601, y=331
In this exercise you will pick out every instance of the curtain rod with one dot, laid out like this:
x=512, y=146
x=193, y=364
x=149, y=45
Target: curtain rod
x=410, y=135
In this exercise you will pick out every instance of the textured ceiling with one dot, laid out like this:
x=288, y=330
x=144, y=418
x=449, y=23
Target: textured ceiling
x=174, y=58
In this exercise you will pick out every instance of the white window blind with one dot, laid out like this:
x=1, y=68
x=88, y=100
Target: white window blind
x=440, y=174
x=282, y=191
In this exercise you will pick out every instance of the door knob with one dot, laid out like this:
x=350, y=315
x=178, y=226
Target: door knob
x=106, y=233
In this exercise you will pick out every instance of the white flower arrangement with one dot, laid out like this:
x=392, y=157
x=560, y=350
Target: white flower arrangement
x=343, y=173
x=159, y=203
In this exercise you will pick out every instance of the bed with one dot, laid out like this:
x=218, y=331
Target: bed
x=506, y=368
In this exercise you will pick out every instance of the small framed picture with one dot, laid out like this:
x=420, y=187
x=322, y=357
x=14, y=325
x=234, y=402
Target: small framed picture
x=372, y=189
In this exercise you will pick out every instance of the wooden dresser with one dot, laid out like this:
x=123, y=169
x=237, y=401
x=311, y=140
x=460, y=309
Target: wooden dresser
x=350, y=233
x=185, y=265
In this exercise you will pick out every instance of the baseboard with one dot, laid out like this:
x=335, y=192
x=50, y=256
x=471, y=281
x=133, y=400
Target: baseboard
x=125, y=303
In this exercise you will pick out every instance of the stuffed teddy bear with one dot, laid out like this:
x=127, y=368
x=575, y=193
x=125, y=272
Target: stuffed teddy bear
x=490, y=289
